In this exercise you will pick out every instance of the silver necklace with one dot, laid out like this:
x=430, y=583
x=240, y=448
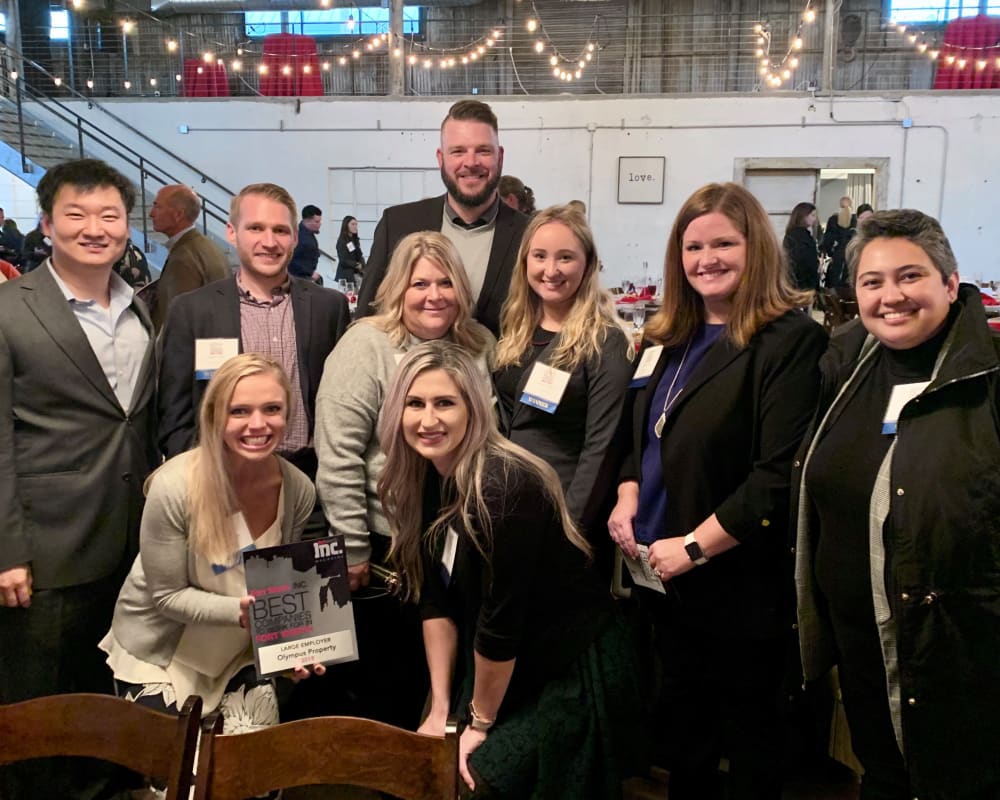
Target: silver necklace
x=669, y=401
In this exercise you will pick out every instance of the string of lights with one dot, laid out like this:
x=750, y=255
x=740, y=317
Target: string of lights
x=957, y=56
x=775, y=72
x=564, y=67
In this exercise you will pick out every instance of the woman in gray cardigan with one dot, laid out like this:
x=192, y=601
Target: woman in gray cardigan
x=425, y=296
x=177, y=626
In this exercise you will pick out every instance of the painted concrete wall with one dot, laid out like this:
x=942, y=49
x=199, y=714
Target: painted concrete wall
x=946, y=163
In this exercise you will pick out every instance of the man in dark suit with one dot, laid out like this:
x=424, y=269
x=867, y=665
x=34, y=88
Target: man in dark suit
x=262, y=309
x=305, y=259
x=194, y=260
x=486, y=231
x=76, y=443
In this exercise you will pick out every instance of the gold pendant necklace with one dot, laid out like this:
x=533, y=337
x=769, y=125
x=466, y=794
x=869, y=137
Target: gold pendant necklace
x=669, y=401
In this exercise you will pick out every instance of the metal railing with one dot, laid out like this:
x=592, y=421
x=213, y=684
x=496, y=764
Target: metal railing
x=621, y=50
x=35, y=107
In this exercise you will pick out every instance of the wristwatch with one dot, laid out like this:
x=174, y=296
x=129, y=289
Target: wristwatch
x=478, y=723
x=694, y=551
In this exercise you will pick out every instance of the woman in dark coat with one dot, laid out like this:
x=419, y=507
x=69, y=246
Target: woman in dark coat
x=897, y=554
x=350, y=259
x=839, y=230
x=704, y=494
x=800, y=247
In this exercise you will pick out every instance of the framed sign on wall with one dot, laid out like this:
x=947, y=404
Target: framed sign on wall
x=640, y=179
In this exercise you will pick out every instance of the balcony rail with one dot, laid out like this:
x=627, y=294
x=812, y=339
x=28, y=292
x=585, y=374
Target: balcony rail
x=577, y=48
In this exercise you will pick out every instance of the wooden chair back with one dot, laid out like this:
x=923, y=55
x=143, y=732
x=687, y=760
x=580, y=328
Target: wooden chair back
x=154, y=744
x=327, y=750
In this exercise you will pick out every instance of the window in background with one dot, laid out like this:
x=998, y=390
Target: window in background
x=365, y=21
x=58, y=25
x=907, y=12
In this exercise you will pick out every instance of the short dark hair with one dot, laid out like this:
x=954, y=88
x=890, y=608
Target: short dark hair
x=86, y=174
x=311, y=211
x=474, y=111
x=904, y=223
x=863, y=208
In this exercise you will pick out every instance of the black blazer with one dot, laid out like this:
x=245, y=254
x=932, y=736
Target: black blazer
x=72, y=460
x=426, y=215
x=727, y=448
x=321, y=317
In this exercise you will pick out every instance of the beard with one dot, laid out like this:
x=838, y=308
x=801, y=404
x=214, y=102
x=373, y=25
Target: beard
x=470, y=200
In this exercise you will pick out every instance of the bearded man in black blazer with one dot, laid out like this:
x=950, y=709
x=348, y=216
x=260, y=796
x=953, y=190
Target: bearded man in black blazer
x=261, y=309
x=486, y=231
x=76, y=443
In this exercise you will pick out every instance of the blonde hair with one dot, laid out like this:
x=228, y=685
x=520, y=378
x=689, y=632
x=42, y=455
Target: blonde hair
x=764, y=293
x=592, y=315
x=269, y=190
x=210, y=493
x=846, y=212
x=401, y=485
x=390, y=298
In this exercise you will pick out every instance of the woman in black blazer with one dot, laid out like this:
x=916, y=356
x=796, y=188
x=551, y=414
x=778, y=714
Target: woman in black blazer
x=350, y=259
x=800, y=247
x=704, y=492
x=557, y=317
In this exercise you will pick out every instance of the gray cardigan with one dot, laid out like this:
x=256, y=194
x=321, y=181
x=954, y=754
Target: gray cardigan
x=350, y=397
x=160, y=595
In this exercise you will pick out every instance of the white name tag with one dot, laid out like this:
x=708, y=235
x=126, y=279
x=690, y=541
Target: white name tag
x=450, y=548
x=902, y=393
x=646, y=366
x=350, y=247
x=642, y=574
x=210, y=354
x=545, y=387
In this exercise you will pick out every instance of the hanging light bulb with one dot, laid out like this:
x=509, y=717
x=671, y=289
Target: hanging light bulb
x=496, y=34
x=961, y=63
x=950, y=60
x=465, y=59
x=922, y=47
x=758, y=52
x=237, y=65
x=207, y=58
x=588, y=56
x=356, y=54
x=581, y=64
x=128, y=84
x=306, y=69
x=539, y=46
x=913, y=38
x=489, y=43
x=57, y=81
x=763, y=70
x=474, y=55
x=579, y=73
x=532, y=24
x=933, y=54
x=553, y=60
x=396, y=52
x=127, y=26
x=427, y=63
x=981, y=64
x=793, y=63
x=343, y=60
x=326, y=66
x=797, y=43
x=262, y=69
x=555, y=72
x=178, y=77
x=481, y=50
x=786, y=74
x=758, y=28
x=590, y=47
x=809, y=16
x=239, y=51
x=152, y=81
x=286, y=70
x=171, y=45
x=90, y=84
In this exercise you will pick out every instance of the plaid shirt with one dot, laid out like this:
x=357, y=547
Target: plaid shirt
x=268, y=327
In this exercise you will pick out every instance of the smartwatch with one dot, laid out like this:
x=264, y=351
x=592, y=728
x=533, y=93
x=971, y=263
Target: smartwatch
x=694, y=550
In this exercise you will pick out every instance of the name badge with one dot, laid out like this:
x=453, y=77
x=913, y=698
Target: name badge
x=646, y=366
x=545, y=387
x=210, y=354
x=902, y=393
x=450, y=548
x=350, y=247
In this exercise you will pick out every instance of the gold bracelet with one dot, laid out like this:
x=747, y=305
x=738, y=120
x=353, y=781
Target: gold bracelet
x=476, y=722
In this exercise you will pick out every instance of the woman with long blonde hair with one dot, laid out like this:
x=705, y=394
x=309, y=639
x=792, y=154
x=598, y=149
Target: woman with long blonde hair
x=558, y=321
x=704, y=495
x=425, y=296
x=177, y=626
x=515, y=620
x=839, y=231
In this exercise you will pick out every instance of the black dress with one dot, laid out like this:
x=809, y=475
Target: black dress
x=834, y=244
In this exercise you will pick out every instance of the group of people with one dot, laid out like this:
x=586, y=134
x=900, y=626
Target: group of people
x=803, y=252
x=486, y=431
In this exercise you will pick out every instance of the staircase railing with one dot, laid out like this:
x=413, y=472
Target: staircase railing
x=24, y=89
